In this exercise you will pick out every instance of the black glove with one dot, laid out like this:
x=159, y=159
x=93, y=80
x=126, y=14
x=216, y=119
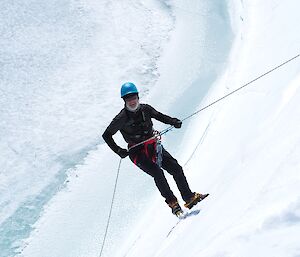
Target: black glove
x=123, y=153
x=177, y=123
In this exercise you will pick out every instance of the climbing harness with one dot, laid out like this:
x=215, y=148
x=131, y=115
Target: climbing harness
x=158, y=150
x=151, y=147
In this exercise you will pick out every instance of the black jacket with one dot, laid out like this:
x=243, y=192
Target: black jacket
x=134, y=126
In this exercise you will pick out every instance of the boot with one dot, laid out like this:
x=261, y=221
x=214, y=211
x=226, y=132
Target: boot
x=196, y=198
x=176, y=209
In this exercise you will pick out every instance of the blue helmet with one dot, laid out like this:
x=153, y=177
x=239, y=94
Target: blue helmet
x=128, y=88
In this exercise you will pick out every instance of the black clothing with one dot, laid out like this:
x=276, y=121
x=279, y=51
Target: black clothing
x=171, y=166
x=137, y=127
x=134, y=126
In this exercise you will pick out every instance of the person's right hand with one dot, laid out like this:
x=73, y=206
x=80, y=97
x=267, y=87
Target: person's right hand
x=123, y=153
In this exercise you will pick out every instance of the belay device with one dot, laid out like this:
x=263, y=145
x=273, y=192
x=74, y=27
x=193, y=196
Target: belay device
x=158, y=149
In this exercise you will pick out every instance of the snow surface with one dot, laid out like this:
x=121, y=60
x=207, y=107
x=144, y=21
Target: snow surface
x=62, y=63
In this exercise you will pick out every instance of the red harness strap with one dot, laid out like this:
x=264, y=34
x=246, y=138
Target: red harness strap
x=146, y=152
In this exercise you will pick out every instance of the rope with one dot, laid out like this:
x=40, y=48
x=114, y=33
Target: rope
x=111, y=207
x=247, y=84
x=232, y=92
x=140, y=143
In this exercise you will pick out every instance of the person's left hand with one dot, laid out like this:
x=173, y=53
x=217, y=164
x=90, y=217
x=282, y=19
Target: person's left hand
x=177, y=123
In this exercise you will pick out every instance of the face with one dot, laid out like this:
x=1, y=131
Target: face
x=132, y=102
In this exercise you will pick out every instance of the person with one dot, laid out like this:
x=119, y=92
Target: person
x=135, y=124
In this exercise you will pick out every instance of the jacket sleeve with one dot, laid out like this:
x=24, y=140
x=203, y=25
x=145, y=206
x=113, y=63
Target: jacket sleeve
x=116, y=124
x=160, y=116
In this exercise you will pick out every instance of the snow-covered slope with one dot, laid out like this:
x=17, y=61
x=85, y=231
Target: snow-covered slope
x=63, y=63
x=82, y=209
x=245, y=151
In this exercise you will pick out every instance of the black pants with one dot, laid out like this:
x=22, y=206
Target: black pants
x=171, y=165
